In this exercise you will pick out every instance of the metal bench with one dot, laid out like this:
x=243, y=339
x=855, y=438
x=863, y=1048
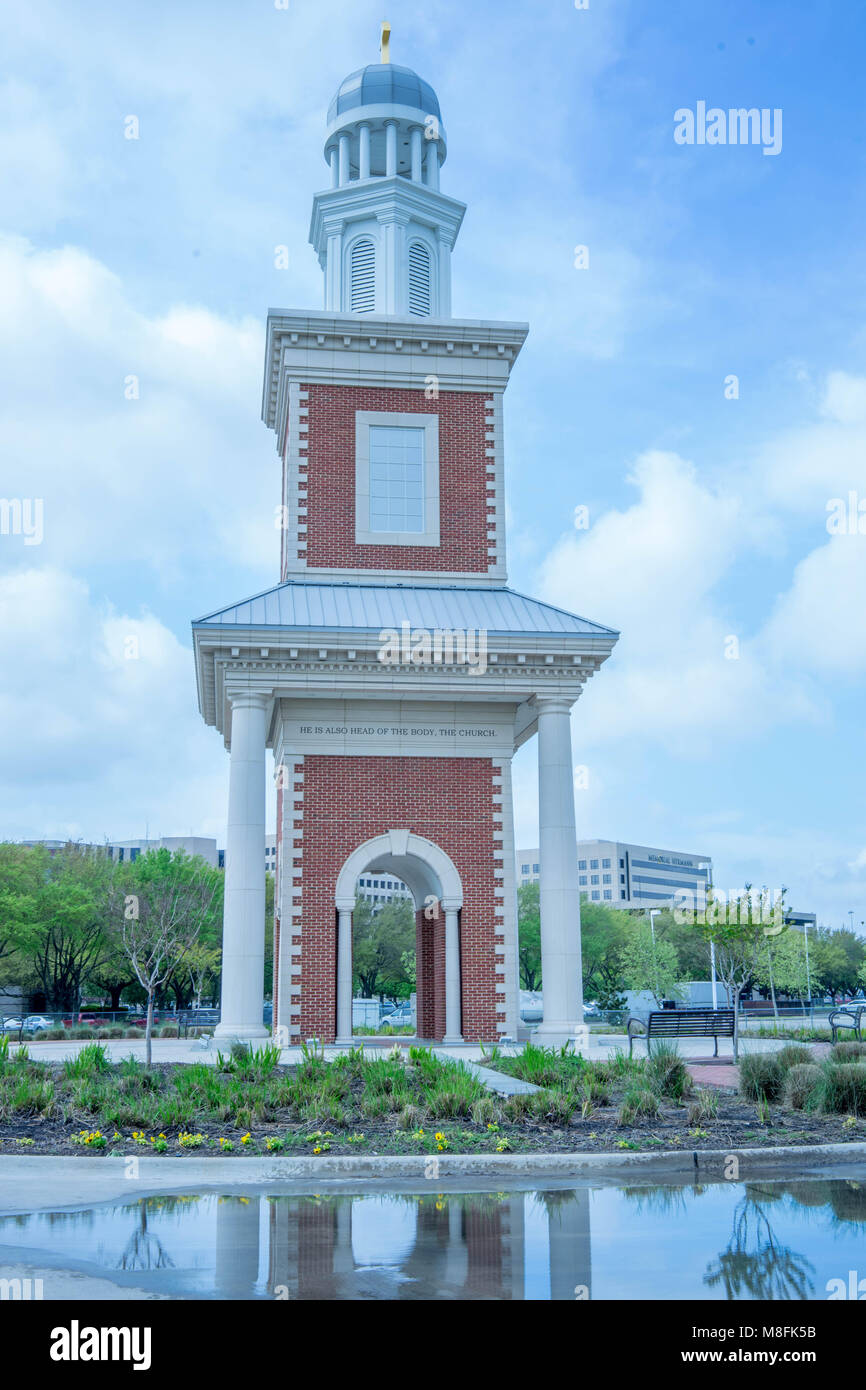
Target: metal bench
x=682, y=1023
x=846, y=1018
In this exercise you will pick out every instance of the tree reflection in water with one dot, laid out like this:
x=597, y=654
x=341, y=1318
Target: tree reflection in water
x=754, y=1264
x=144, y=1250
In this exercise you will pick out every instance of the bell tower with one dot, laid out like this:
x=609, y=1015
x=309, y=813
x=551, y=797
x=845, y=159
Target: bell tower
x=391, y=670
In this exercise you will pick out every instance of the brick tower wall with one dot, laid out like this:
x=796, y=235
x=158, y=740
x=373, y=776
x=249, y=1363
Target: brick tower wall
x=350, y=799
x=326, y=476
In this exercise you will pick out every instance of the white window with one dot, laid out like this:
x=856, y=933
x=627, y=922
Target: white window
x=396, y=478
x=362, y=276
x=419, y=280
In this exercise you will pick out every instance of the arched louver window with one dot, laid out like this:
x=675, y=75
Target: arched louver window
x=419, y=279
x=363, y=277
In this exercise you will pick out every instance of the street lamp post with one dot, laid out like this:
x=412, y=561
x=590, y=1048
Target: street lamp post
x=712, y=947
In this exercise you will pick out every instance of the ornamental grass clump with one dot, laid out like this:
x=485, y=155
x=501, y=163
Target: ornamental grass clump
x=704, y=1106
x=802, y=1086
x=638, y=1103
x=843, y=1088
x=667, y=1073
x=794, y=1055
x=92, y=1060
x=849, y=1052
x=761, y=1077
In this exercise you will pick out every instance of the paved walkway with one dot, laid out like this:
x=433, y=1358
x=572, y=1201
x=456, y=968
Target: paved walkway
x=602, y=1046
x=493, y=1080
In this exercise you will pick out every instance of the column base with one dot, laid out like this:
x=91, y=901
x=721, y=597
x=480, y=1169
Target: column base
x=455, y=1040
x=241, y=1032
x=346, y=1042
x=557, y=1034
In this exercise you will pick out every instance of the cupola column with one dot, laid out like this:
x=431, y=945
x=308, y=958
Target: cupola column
x=390, y=149
x=415, y=138
x=432, y=164
x=364, y=152
x=335, y=169
x=344, y=160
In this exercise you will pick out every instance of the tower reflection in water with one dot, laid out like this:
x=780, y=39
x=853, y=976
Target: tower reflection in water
x=437, y=1246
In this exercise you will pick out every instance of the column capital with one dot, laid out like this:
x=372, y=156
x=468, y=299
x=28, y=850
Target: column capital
x=248, y=699
x=553, y=704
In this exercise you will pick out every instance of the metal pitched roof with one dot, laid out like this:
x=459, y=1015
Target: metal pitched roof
x=297, y=605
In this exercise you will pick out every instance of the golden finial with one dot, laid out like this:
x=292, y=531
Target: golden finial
x=385, y=42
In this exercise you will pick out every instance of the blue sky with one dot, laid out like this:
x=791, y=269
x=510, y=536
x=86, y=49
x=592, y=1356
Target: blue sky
x=708, y=516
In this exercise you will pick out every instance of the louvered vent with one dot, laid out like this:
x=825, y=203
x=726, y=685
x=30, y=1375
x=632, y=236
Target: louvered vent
x=419, y=280
x=363, y=271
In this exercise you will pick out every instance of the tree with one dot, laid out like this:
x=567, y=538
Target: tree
x=167, y=898
x=379, y=941
x=529, y=935
x=650, y=964
x=604, y=932
x=739, y=931
x=201, y=963
x=62, y=927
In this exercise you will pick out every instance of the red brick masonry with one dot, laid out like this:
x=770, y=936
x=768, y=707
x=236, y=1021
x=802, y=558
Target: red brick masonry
x=466, y=505
x=348, y=800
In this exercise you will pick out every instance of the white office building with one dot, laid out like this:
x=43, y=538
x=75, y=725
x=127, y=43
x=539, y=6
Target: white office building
x=632, y=876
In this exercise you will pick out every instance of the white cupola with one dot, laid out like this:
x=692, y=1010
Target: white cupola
x=383, y=231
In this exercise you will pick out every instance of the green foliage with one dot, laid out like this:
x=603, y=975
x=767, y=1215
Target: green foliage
x=849, y=1052
x=704, y=1106
x=667, y=1073
x=761, y=1077
x=529, y=935
x=843, y=1088
x=794, y=1056
x=91, y=1061
x=605, y=932
x=651, y=963
x=638, y=1102
x=802, y=1085
x=380, y=941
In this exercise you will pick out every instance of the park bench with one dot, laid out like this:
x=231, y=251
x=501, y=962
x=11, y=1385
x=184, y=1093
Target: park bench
x=682, y=1023
x=846, y=1018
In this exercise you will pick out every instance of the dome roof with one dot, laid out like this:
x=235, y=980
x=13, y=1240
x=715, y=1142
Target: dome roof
x=384, y=84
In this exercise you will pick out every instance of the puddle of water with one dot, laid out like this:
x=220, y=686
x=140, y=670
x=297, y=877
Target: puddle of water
x=762, y=1240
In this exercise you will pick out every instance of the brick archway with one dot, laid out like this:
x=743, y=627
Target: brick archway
x=434, y=882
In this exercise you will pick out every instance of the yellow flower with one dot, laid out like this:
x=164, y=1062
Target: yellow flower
x=246, y=1138
x=317, y=1149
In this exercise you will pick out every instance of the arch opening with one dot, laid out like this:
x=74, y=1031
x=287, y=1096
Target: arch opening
x=437, y=896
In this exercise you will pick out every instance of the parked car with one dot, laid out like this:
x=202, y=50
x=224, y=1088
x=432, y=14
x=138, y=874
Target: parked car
x=11, y=1025
x=400, y=1017
x=35, y=1023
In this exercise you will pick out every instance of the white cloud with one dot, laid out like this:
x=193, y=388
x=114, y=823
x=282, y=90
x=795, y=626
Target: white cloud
x=140, y=433
x=102, y=705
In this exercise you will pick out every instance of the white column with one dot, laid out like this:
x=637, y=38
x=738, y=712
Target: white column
x=390, y=148
x=344, y=976
x=415, y=138
x=335, y=168
x=243, y=962
x=344, y=159
x=364, y=152
x=432, y=162
x=562, y=985
x=453, y=1010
